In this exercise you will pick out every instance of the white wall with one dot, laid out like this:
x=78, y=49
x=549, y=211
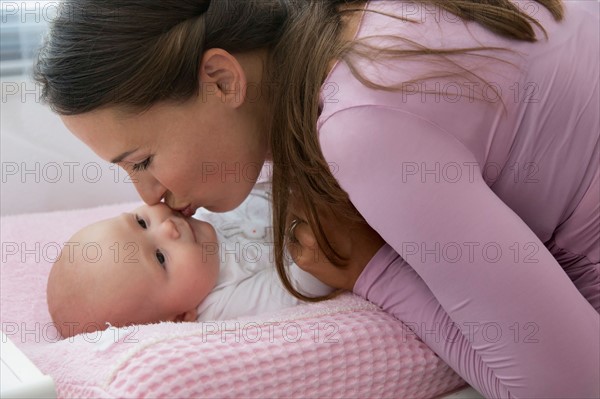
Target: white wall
x=44, y=167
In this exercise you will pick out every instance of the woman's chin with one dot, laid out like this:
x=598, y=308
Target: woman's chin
x=230, y=202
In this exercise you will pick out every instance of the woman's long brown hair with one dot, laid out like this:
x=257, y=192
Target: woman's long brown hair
x=136, y=53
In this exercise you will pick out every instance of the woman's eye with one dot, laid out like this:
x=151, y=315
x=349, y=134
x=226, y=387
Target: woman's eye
x=141, y=222
x=160, y=257
x=138, y=167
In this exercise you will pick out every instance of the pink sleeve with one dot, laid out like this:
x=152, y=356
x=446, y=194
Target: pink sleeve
x=467, y=261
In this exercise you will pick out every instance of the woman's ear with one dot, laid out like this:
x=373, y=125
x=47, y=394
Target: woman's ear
x=223, y=77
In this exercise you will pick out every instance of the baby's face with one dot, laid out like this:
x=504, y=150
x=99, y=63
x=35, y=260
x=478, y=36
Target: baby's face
x=145, y=266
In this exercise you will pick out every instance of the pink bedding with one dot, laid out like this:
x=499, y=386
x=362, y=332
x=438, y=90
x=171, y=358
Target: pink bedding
x=346, y=347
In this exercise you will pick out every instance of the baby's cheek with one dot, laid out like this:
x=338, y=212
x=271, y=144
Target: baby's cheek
x=205, y=266
x=213, y=267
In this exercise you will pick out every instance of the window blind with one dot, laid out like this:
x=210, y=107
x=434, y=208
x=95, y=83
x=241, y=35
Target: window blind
x=22, y=27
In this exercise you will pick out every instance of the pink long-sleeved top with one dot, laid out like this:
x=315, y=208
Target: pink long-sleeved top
x=491, y=215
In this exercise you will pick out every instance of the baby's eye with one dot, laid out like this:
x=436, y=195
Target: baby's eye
x=141, y=222
x=160, y=257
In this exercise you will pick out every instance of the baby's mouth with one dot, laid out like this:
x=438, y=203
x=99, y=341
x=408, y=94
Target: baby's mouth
x=186, y=220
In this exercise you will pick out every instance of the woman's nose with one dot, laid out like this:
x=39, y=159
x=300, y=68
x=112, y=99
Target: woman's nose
x=150, y=189
x=169, y=229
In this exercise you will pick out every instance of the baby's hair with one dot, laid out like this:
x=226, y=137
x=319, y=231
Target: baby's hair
x=68, y=296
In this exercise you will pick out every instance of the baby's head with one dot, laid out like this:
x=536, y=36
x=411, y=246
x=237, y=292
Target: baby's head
x=142, y=267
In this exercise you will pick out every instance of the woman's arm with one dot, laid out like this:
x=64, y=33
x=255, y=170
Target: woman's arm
x=355, y=241
x=470, y=250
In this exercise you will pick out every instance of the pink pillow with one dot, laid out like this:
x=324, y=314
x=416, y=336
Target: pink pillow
x=346, y=347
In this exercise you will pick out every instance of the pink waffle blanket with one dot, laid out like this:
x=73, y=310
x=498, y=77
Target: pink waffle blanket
x=342, y=348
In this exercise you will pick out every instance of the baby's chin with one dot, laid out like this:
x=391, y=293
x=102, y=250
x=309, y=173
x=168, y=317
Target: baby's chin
x=204, y=232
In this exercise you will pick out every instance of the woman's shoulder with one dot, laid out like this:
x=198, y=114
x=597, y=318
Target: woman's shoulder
x=455, y=100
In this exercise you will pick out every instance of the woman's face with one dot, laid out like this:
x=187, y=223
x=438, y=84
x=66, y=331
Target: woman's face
x=207, y=152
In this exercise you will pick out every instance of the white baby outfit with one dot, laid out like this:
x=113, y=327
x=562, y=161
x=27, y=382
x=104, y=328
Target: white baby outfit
x=248, y=283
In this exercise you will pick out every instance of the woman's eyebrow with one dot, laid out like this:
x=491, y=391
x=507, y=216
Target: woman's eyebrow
x=123, y=156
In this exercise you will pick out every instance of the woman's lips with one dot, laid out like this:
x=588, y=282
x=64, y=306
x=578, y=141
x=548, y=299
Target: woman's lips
x=188, y=211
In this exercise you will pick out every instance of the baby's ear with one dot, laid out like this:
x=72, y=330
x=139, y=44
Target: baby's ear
x=190, y=315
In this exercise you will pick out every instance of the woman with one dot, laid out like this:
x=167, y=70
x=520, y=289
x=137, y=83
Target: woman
x=462, y=132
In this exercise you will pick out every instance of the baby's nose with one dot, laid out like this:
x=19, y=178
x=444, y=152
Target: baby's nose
x=169, y=228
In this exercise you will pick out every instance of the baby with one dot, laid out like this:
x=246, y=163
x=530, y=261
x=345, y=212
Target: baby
x=154, y=265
